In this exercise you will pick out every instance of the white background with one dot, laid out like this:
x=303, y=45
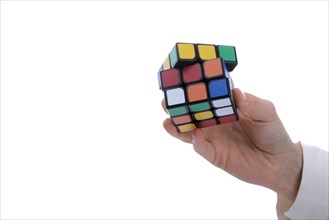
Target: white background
x=81, y=121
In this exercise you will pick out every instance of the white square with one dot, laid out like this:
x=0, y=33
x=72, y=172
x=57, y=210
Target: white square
x=224, y=111
x=175, y=96
x=221, y=103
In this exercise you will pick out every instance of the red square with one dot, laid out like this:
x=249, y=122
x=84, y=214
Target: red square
x=227, y=119
x=192, y=73
x=170, y=78
x=207, y=123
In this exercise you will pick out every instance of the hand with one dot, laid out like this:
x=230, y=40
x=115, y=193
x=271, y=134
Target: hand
x=255, y=149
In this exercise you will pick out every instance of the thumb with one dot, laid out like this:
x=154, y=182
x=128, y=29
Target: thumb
x=255, y=108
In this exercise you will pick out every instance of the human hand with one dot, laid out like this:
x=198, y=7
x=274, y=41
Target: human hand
x=255, y=149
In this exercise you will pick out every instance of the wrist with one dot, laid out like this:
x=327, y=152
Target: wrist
x=290, y=173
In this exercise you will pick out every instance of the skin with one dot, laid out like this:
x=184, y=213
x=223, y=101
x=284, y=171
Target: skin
x=256, y=149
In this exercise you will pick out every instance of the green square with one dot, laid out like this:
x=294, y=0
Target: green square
x=199, y=107
x=227, y=53
x=173, y=57
x=177, y=111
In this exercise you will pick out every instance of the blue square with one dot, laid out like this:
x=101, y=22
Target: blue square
x=218, y=88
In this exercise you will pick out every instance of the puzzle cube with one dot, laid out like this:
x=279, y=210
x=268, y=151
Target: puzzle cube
x=197, y=85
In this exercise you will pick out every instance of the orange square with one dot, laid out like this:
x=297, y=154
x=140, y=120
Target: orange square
x=197, y=92
x=213, y=68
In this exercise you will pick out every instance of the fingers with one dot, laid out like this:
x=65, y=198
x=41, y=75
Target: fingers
x=256, y=108
x=163, y=104
x=203, y=147
x=172, y=130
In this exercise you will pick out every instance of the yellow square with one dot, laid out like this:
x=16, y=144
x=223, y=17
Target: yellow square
x=166, y=64
x=207, y=52
x=186, y=127
x=203, y=115
x=186, y=51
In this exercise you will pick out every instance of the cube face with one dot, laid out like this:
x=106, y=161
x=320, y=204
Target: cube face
x=181, y=54
x=200, y=116
x=175, y=96
x=207, y=123
x=186, y=127
x=197, y=86
x=170, y=78
x=182, y=119
x=186, y=51
x=220, y=103
x=206, y=52
x=218, y=88
x=192, y=73
x=197, y=92
x=166, y=64
x=228, y=54
x=199, y=107
x=177, y=111
x=213, y=68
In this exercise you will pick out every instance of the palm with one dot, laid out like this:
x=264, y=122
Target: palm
x=253, y=149
x=247, y=149
x=241, y=150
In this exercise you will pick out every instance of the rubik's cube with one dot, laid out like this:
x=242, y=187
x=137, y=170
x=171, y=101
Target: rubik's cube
x=197, y=86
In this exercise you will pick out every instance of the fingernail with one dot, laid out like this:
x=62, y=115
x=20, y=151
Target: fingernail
x=193, y=139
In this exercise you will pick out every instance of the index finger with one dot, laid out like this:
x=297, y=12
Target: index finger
x=163, y=104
